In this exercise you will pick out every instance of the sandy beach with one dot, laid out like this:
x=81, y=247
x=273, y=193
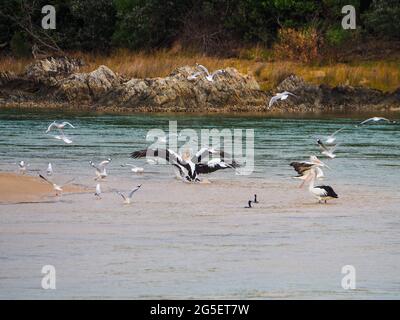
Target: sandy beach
x=17, y=188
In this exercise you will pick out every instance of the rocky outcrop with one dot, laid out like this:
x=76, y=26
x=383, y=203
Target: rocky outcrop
x=58, y=81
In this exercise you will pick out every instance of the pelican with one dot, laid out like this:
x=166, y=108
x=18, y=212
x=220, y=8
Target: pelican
x=57, y=188
x=280, y=96
x=59, y=126
x=134, y=168
x=49, y=170
x=331, y=139
x=22, y=167
x=210, y=76
x=303, y=169
x=375, y=119
x=329, y=152
x=101, y=172
x=322, y=193
x=128, y=199
x=98, y=191
x=188, y=169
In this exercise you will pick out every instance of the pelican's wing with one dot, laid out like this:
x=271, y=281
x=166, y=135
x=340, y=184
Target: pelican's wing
x=302, y=167
x=211, y=166
x=203, y=68
x=133, y=191
x=166, y=154
x=45, y=179
x=204, y=152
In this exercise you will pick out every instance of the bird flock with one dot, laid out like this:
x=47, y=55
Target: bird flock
x=310, y=171
x=189, y=167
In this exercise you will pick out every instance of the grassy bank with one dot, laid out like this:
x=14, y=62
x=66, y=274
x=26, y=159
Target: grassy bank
x=379, y=74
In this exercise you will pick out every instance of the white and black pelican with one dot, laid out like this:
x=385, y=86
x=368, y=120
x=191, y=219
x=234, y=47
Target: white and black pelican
x=128, y=199
x=322, y=193
x=303, y=168
x=327, y=151
x=280, y=96
x=188, y=169
x=57, y=188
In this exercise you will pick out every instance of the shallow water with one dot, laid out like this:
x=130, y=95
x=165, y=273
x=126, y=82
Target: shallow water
x=197, y=241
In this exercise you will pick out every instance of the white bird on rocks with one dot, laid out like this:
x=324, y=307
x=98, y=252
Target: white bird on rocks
x=280, y=96
x=98, y=191
x=375, y=119
x=134, y=168
x=210, y=76
x=49, y=170
x=194, y=76
x=128, y=199
x=57, y=188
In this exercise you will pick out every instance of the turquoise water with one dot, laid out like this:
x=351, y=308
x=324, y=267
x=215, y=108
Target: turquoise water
x=368, y=155
x=196, y=240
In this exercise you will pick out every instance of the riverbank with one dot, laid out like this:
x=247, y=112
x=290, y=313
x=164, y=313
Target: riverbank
x=61, y=83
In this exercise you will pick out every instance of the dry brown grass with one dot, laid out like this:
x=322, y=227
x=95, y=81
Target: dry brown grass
x=383, y=75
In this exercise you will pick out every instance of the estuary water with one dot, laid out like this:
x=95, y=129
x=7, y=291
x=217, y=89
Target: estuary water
x=179, y=240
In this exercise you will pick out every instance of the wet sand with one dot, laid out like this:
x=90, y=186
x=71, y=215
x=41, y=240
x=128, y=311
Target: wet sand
x=18, y=188
x=179, y=240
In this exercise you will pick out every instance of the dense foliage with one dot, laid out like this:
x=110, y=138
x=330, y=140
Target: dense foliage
x=212, y=26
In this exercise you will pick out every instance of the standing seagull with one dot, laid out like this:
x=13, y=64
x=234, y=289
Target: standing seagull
x=57, y=188
x=22, y=166
x=375, y=119
x=322, y=193
x=280, y=96
x=127, y=200
x=98, y=191
x=209, y=77
x=49, y=170
x=329, y=152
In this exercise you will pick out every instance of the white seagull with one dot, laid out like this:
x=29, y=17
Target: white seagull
x=322, y=193
x=134, y=168
x=194, y=76
x=280, y=96
x=59, y=125
x=98, y=191
x=375, y=119
x=49, y=170
x=332, y=138
x=63, y=138
x=210, y=76
x=22, y=167
x=101, y=173
x=327, y=151
x=57, y=188
x=127, y=200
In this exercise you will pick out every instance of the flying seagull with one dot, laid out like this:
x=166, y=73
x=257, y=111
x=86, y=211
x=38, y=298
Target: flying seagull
x=127, y=200
x=332, y=138
x=327, y=151
x=280, y=96
x=375, y=119
x=101, y=172
x=58, y=125
x=134, y=168
x=57, y=188
x=210, y=76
